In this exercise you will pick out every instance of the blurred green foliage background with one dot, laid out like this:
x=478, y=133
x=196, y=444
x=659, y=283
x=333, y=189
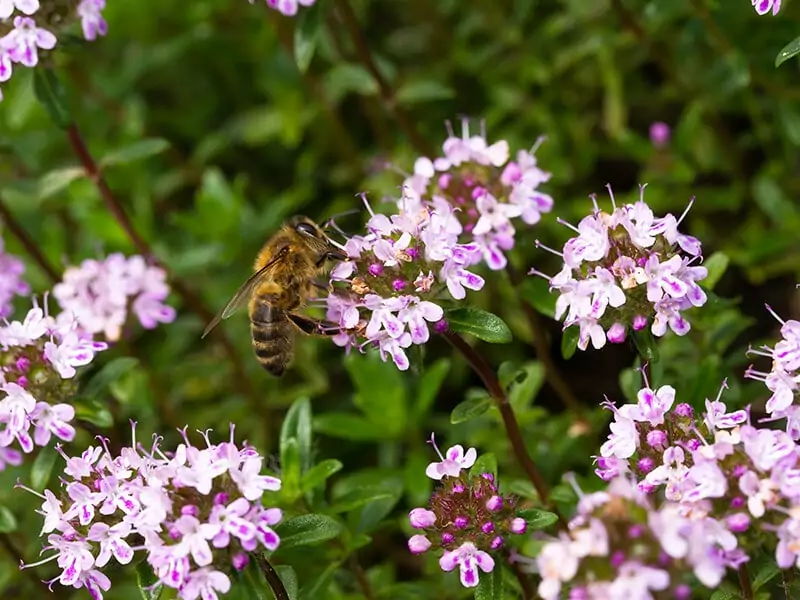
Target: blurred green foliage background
x=211, y=136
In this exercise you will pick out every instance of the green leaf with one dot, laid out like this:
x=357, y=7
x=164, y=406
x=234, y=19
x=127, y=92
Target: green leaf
x=148, y=583
x=790, y=50
x=93, y=412
x=429, y=385
x=135, y=151
x=423, y=90
x=111, y=372
x=347, y=426
x=726, y=592
x=43, y=467
x=319, y=473
x=775, y=203
x=381, y=392
x=312, y=588
x=307, y=530
x=536, y=291
x=253, y=581
x=479, y=323
x=289, y=578
x=297, y=426
x=290, y=470
x=8, y=522
x=51, y=94
x=345, y=78
x=569, y=341
x=486, y=463
x=490, y=585
x=537, y=518
x=716, y=264
x=57, y=181
x=765, y=574
x=357, y=498
x=646, y=345
x=306, y=35
x=470, y=409
x=630, y=381
x=526, y=385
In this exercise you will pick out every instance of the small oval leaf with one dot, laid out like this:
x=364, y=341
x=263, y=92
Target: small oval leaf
x=490, y=585
x=51, y=94
x=479, y=323
x=486, y=463
x=306, y=530
x=319, y=474
x=8, y=522
x=469, y=409
x=537, y=518
x=43, y=467
x=569, y=341
x=306, y=35
x=790, y=50
x=135, y=151
x=646, y=345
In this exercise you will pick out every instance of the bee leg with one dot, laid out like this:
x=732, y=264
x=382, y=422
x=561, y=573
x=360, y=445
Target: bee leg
x=312, y=326
x=325, y=287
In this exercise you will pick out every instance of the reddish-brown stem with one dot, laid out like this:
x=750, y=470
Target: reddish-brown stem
x=191, y=300
x=528, y=593
x=272, y=577
x=28, y=243
x=364, y=55
x=498, y=394
x=744, y=583
x=361, y=577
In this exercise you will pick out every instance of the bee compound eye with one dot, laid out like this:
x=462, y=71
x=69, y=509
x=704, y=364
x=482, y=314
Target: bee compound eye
x=306, y=228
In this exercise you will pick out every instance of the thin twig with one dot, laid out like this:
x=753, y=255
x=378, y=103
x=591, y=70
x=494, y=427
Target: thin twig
x=551, y=371
x=787, y=578
x=387, y=93
x=492, y=384
x=28, y=243
x=191, y=300
x=744, y=583
x=361, y=576
x=272, y=577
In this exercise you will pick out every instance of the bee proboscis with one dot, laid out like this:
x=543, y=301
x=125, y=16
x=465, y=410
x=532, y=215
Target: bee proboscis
x=285, y=272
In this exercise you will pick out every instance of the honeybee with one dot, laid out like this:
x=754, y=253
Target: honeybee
x=285, y=270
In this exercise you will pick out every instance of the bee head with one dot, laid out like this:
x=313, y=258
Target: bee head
x=316, y=239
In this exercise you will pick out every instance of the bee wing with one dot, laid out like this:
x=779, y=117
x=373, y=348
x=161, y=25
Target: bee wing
x=243, y=294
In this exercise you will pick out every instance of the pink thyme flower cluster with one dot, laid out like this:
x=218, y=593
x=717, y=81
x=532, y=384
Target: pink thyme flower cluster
x=100, y=293
x=38, y=360
x=620, y=546
x=194, y=513
x=744, y=479
x=483, y=189
x=467, y=517
x=287, y=7
x=21, y=40
x=395, y=278
x=783, y=379
x=627, y=270
x=764, y=6
x=11, y=281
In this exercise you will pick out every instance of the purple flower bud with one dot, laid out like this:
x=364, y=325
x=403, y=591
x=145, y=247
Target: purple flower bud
x=398, y=285
x=617, y=559
x=518, y=525
x=647, y=488
x=737, y=502
x=422, y=518
x=221, y=498
x=413, y=253
x=738, y=522
x=616, y=333
x=469, y=181
x=190, y=509
x=174, y=533
x=488, y=477
x=635, y=531
x=664, y=559
x=683, y=592
x=461, y=521
x=478, y=191
x=22, y=381
x=494, y=503
x=659, y=134
x=239, y=561
x=579, y=593
x=646, y=464
x=684, y=410
x=418, y=544
x=458, y=488
x=375, y=269
x=444, y=181
x=739, y=470
x=460, y=200
x=478, y=493
x=511, y=174
x=469, y=227
x=487, y=527
x=639, y=322
x=657, y=439
x=447, y=538
x=440, y=326
x=23, y=364
x=693, y=444
x=472, y=212
x=496, y=543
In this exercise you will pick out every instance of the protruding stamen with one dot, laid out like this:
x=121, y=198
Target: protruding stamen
x=573, y=482
x=44, y=561
x=722, y=388
x=449, y=127
x=432, y=442
x=774, y=314
x=643, y=371
x=593, y=198
x=539, y=244
x=20, y=486
x=483, y=129
x=544, y=276
x=539, y=141
x=686, y=210
x=465, y=127
x=363, y=196
x=611, y=193
x=641, y=191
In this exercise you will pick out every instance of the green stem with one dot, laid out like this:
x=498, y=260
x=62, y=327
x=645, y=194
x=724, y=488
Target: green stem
x=744, y=583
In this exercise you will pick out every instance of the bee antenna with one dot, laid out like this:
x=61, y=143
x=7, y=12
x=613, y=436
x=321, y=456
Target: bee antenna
x=331, y=222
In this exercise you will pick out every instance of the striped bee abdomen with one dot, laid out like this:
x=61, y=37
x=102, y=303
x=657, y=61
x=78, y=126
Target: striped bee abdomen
x=273, y=336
